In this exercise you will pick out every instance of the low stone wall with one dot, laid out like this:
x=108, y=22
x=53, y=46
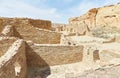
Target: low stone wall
x=13, y=62
x=40, y=36
x=5, y=44
x=41, y=56
x=31, y=33
x=10, y=31
x=58, y=27
x=37, y=31
x=108, y=55
x=56, y=54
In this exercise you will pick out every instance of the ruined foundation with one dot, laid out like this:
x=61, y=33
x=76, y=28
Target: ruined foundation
x=32, y=48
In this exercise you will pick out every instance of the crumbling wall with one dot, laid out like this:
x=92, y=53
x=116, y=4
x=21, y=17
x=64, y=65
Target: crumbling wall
x=57, y=54
x=40, y=23
x=10, y=31
x=13, y=62
x=107, y=55
x=41, y=56
x=79, y=27
x=37, y=66
x=58, y=27
x=90, y=54
x=82, y=24
x=44, y=24
x=108, y=16
x=5, y=44
x=28, y=29
x=31, y=33
x=40, y=36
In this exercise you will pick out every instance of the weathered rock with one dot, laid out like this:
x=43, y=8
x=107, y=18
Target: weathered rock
x=107, y=16
x=86, y=19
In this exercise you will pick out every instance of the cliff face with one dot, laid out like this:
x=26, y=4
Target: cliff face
x=99, y=17
x=86, y=19
x=109, y=16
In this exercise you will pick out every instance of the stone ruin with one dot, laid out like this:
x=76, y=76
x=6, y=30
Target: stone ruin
x=32, y=48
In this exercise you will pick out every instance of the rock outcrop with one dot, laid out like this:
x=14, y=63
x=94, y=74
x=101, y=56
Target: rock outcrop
x=107, y=16
x=86, y=19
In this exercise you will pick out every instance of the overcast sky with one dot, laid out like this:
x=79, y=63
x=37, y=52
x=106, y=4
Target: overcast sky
x=58, y=11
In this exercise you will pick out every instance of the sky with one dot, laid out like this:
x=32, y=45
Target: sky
x=58, y=11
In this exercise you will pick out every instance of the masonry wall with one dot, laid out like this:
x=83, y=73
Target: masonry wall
x=31, y=33
x=10, y=31
x=13, y=63
x=44, y=24
x=40, y=36
x=58, y=27
x=40, y=23
x=56, y=54
x=41, y=56
x=5, y=44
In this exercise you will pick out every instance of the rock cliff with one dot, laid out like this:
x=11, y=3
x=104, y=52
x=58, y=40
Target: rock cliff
x=107, y=16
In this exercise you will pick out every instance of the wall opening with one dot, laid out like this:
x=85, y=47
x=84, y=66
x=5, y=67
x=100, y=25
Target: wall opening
x=96, y=55
x=17, y=68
